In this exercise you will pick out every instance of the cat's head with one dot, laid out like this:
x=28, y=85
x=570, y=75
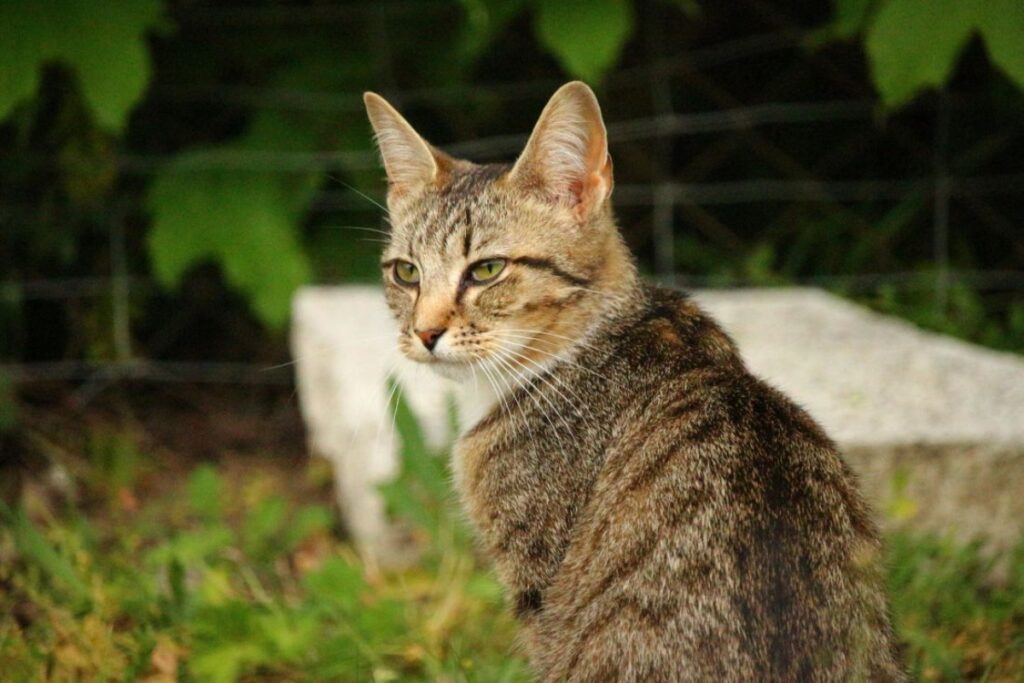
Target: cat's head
x=502, y=265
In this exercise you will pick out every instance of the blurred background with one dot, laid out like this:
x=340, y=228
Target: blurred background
x=171, y=171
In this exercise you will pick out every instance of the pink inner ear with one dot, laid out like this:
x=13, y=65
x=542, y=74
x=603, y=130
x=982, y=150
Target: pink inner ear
x=566, y=157
x=577, y=190
x=589, y=194
x=583, y=192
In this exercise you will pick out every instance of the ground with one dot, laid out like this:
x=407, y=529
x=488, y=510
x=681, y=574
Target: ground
x=184, y=535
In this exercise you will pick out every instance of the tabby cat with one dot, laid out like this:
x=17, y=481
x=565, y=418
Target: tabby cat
x=655, y=512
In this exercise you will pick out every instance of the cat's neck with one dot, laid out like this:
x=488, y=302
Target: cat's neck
x=475, y=397
x=619, y=284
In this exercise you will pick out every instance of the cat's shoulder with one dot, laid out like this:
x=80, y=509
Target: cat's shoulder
x=695, y=359
x=667, y=327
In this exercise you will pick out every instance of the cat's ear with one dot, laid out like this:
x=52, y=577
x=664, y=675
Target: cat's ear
x=566, y=158
x=410, y=161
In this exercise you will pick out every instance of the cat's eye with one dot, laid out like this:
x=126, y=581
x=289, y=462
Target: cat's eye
x=407, y=273
x=487, y=270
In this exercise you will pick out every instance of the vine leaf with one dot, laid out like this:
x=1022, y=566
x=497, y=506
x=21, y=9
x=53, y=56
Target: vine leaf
x=112, y=73
x=585, y=37
x=913, y=45
x=244, y=220
x=849, y=20
x=1001, y=22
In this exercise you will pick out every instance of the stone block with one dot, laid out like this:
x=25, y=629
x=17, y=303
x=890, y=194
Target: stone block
x=934, y=426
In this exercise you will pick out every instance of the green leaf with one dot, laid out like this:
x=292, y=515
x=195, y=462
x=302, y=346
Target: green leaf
x=246, y=221
x=243, y=221
x=585, y=37
x=913, y=45
x=205, y=489
x=1001, y=22
x=309, y=520
x=289, y=634
x=851, y=15
x=228, y=642
x=112, y=73
x=849, y=19
x=192, y=549
x=337, y=584
x=36, y=549
x=22, y=51
x=223, y=664
x=262, y=524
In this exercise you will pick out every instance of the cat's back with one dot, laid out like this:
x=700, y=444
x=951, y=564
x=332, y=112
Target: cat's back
x=723, y=522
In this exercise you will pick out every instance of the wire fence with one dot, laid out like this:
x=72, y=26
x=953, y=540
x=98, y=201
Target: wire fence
x=732, y=126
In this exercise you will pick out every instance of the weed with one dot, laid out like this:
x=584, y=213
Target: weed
x=227, y=577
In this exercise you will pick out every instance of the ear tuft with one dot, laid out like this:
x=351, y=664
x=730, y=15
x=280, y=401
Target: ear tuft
x=410, y=161
x=566, y=157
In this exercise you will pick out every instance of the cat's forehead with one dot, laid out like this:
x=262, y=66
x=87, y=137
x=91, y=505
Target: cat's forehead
x=466, y=209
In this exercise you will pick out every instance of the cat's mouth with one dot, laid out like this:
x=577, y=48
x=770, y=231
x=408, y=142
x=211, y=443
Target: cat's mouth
x=443, y=361
x=465, y=356
x=458, y=366
x=504, y=355
x=438, y=358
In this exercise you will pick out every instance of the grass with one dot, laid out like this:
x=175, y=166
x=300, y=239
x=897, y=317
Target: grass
x=236, y=572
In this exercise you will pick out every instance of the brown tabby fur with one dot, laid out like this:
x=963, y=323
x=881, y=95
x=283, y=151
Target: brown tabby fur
x=655, y=512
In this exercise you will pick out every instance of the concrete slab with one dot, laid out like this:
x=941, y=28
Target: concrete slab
x=934, y=426
x=343, y=343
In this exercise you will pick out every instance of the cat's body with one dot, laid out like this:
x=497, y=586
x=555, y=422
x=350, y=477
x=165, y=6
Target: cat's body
x=655, y=512
x=691, y=524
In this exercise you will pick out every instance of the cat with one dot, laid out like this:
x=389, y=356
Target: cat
x=654, y=511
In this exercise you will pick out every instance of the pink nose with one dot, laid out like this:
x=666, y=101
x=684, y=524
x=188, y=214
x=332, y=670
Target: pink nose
x=429, y=337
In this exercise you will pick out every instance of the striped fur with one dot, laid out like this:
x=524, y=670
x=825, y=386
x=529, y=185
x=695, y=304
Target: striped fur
x=655, y=512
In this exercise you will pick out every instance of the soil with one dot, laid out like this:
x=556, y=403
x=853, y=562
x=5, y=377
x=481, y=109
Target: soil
x=175, y=427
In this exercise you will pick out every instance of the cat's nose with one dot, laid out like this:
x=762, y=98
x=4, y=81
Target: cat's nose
x=430, y=337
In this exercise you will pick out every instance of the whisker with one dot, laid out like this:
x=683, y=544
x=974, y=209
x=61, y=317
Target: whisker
x=358, y=192
x=505, y=334
x=508, y=358
x=331, y=348
x=519, y=380
x=357, y=227
x=498, y=334
x=498, y=392
x=550, y=380
x=517, y=416
x=387, y=406
x=540, y=408
x=581, y=405
x=531, y=444
x=578, y=341
x=398, y=399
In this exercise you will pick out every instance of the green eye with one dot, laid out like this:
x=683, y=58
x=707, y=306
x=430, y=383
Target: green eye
x=407, y=273
x=487, y=270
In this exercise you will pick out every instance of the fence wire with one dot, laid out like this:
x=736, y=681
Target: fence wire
x=663, y=194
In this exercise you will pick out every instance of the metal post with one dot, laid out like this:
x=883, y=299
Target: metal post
x=941, y=202
x=663, y=213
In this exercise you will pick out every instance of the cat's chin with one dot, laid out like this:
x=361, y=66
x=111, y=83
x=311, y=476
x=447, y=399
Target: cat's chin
x=455, y=370
x=458, y=372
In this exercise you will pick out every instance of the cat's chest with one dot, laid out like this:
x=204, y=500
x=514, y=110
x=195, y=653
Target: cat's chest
x=524, y=475
x=474, y=399
x=525, y=457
